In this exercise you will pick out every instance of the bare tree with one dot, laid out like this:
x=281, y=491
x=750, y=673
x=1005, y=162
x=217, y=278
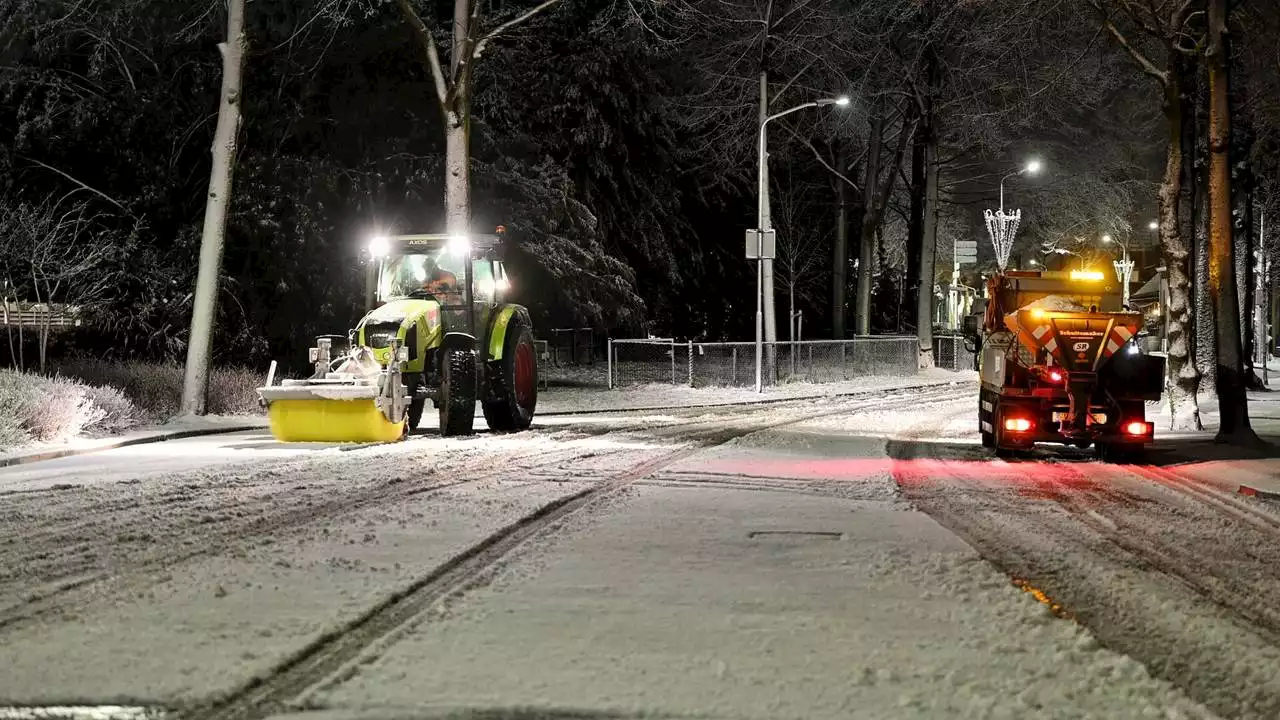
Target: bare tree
x=51, y=258
x=200, y=345
x=801, y=253
x=454, y=86
x=1232, y=398
x=1164, y=25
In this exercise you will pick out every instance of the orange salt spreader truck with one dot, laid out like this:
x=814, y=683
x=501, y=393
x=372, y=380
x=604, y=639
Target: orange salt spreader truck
x=1059, y=363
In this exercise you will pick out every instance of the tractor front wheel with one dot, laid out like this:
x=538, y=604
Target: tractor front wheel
x=514, y=381
x=457, y=392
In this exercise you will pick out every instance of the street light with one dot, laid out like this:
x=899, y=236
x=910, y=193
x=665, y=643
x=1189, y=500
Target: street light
x=1032, y=167
x=1153, y=225
x=841, y=101
x=1124, y=269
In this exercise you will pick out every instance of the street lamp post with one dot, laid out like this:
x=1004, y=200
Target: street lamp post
x=1124, y=269
x=1003, y=227
x=763, y=223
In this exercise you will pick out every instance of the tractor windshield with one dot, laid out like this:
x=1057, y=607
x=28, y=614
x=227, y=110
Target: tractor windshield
x=436, y=274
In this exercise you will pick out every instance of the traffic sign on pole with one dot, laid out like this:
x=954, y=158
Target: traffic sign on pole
x=756, y=250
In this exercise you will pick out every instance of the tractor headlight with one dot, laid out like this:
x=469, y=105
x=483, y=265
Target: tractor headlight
x=459, y=245
x=379, y=246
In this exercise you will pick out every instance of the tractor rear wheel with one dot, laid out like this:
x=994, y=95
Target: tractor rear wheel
x=417, y=401
x=514, y=381
x=457, y=392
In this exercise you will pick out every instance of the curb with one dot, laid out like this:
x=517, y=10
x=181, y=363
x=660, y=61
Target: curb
x=765, y=401
x=1255, y=492
x=150, y=439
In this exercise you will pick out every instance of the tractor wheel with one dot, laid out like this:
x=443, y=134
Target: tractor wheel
x=417, y=401
x=515, y=381
x=457, y=392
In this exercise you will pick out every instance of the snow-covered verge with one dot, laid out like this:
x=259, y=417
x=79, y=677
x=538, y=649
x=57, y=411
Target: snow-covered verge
x=643, y=397
x=86, y=401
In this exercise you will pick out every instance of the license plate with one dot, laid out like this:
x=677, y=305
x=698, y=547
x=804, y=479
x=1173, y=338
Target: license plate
x=1098, y=418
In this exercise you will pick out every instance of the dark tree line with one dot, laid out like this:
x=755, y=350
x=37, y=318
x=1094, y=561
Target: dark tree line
x=616, y=143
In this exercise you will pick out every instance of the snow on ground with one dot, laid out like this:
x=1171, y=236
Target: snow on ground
x=751, y=595
x=559, y=399
x=208, y=423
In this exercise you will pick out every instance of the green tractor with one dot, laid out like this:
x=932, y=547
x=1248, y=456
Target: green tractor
x=439, y=330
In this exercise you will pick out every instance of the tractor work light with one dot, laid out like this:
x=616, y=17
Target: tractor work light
x=1017, y=424
x=1138, y=428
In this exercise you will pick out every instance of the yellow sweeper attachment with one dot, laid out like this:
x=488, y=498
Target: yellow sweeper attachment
x=358, y=402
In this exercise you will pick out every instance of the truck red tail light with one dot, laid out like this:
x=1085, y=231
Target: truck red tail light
x=1017, y=424
x=1138, y=428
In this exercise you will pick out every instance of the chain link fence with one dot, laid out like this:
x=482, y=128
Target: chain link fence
x=950, y=353
x=732, y=364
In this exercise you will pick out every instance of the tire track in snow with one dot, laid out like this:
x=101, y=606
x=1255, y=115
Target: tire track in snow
x=74, y=575
x=1185, y=587
x=333, y=657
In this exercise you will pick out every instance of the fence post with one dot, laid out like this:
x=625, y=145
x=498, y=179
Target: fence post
x=609, y=365
x=733, y=366
x=673, y=362
x=690, y=363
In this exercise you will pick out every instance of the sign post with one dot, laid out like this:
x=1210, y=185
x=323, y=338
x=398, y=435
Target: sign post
x=760, y=246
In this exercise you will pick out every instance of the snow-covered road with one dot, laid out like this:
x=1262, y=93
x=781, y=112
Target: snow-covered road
x=821, y=558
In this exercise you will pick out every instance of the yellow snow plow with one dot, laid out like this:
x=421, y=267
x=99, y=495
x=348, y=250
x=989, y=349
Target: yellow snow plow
x=360, y=401
x=437, y=330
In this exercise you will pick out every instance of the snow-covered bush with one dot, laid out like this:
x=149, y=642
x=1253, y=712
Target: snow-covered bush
x=156, y=388
x=34, y=408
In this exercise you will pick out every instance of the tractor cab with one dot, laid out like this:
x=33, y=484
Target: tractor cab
x=457, y=273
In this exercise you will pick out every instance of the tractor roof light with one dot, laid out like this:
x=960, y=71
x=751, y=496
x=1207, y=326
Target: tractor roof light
x=459, y=245
x=1086, y=275
x=379, y=246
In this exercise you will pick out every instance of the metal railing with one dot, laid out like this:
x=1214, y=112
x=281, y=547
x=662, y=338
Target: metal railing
x=732, y=364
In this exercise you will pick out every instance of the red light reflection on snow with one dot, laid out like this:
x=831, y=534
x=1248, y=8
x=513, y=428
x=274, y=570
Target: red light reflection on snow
x=1059, y=479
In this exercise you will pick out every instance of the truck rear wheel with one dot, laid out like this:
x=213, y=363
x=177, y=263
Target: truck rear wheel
x=514, y=381
x=457, y=392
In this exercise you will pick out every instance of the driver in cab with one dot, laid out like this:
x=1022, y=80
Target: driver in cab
x=443, y=284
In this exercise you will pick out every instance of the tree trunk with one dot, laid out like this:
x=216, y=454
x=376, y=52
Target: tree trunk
x=1245, y=252
x=1184, y=410
x=199, y=348
x=840, y=251
x=867, y=232
x=1261, y=343
x=457, y=185
x=1232, y=400
x=928, y=253
x=1205, y=337
x=913, y=286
